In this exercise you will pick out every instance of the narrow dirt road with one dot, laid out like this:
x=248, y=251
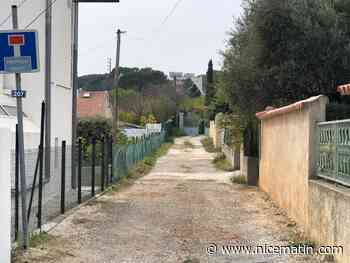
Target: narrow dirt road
x=171, y=215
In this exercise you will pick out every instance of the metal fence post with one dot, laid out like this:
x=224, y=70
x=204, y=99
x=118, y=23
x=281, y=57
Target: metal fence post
x=63, y=177
x=106, y=161
x=79, y=169
x=111, y=157
x=93, y=164
x=102, y=164
x=41, y=167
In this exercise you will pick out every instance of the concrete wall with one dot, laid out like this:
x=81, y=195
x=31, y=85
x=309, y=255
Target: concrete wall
x=232, y=156
x=329, y=216
x=191, y=131
x=288, y=154
x=216, y=134
x=5, y=196
x=243, y=162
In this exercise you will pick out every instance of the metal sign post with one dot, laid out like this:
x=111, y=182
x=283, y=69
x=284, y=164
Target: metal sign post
x=21, y=144
x=19, y=54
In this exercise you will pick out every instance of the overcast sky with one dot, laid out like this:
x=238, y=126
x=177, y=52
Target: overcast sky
x=193, y=34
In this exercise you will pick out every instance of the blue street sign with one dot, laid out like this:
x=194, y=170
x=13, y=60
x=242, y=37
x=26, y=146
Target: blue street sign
x=19, y=51
x=18, y=93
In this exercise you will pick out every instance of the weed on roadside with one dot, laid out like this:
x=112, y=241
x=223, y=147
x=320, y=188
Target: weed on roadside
x=141, y=169
x=221, y=163
x=37, y=239
x=297, y=239
x=188, y=144
x=209, y=145
x=240, y=179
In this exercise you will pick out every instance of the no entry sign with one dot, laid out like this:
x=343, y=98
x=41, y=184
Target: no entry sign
x=19, y=51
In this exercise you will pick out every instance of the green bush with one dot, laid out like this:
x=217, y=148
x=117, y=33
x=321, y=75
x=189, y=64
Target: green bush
x=209, y=145
x=239, y=179
x=94, y=128
x=221, y=163
x=177, y=132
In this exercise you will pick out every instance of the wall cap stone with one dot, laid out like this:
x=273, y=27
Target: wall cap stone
x=289, y=108
x=340, y=189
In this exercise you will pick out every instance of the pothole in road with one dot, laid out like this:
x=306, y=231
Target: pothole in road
x=186, y=168
x=192, y=260
x=181, y=187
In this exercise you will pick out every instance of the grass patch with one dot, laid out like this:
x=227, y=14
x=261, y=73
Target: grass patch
x=240, y=179
x=297, y=238
x=221, y=163
x=38, y=239
x=209, y=145
x=192, y=260
x=141, y=169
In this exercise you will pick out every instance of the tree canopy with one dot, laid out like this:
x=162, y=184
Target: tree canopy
x=280, y=51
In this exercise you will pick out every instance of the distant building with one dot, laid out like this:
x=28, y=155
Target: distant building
x=94, y=104
x=200, y=83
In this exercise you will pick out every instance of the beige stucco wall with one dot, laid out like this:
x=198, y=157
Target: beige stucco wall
x=288, y=158
x=287, y=171
x=212, y=132
x=216, y=134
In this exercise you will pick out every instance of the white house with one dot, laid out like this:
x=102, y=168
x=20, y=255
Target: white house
x=34, y=83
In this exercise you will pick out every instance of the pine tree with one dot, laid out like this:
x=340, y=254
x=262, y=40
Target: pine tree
x=210, y=84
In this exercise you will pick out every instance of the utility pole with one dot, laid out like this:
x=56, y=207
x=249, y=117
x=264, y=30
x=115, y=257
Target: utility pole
x=75, y=11
x=48, y=52
x=116, y=83
x=21, y=145
x=75, y=20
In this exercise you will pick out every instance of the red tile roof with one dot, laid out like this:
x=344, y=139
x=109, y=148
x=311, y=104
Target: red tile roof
x=93, y=104
x=344, y=89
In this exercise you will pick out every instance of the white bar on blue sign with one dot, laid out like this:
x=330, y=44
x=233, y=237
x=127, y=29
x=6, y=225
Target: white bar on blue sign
x=18, y=64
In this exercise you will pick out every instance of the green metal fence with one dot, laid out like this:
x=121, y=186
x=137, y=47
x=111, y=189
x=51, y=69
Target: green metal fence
x=334, y=151
x=126, y=156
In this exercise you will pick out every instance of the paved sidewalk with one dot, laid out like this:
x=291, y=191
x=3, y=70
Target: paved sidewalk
x=171, y=215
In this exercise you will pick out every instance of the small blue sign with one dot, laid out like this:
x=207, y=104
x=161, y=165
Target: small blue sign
x=18, y=93
x=19, y=51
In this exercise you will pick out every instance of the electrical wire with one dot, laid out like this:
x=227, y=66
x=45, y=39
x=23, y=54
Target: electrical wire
x=176, y=5
x=36, y=17
x=40, y=14
x=9, y=16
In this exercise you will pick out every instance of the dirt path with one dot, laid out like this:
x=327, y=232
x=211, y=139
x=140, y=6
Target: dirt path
x=171, y=215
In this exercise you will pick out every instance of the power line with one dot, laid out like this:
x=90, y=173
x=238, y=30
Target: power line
x=9, y=16
x=176, y=5
x=40, y=14
x=35, y=19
